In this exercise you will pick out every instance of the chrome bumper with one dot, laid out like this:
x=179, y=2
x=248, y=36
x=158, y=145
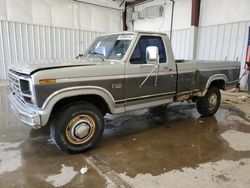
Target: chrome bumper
x=27, y=115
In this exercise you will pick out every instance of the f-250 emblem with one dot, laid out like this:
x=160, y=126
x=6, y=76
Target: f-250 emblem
x=117, y=86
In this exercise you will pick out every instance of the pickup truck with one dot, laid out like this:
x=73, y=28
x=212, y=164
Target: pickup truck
x=119, y=72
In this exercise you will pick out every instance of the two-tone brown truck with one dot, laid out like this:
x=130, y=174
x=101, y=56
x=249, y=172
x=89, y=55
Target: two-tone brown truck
x=119, y=72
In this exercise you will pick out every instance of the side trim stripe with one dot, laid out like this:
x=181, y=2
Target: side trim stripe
x=145, y=97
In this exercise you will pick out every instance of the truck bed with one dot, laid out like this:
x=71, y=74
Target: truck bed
x=194, y=74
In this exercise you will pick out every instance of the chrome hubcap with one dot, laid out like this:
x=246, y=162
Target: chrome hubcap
x=80, y=129
x=212, y=101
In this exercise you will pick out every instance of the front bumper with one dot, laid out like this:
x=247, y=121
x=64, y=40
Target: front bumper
x=26, y=114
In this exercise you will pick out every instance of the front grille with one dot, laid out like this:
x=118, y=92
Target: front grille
x=19, y=84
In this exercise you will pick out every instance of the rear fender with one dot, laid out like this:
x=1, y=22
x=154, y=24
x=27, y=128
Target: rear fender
x=214, y=78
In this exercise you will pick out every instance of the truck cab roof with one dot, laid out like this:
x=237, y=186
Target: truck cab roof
x=136, y=32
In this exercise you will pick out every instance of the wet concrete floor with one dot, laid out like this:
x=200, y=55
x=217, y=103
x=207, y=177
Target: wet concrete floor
x=176, y=138
x=134, y=145
x=28, y=159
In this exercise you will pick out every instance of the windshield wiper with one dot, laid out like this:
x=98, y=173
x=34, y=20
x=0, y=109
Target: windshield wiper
x=96, y=53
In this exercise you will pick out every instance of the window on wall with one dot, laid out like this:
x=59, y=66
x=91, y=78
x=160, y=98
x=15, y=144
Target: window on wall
x=139, y=54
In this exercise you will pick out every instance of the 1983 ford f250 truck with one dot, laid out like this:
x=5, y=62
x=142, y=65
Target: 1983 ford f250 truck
x=119, y=72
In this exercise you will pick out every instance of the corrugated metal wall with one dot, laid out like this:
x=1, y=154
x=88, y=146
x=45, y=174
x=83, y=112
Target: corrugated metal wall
x=20, y=43
x=218, y=42
x=225, y=41
x=182, y=43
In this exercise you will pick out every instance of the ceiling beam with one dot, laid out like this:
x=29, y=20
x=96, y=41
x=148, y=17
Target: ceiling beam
x=137, y=2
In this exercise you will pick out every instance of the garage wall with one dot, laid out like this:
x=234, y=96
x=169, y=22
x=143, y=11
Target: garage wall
x=51, y=29
x=182, y=43
x=182, y=36
x=223, y=41
x=182, y=16
x=23, y=43
x=223, y=31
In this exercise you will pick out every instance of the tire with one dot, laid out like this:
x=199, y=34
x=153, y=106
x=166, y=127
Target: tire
x=77, y=127
x=209, y=104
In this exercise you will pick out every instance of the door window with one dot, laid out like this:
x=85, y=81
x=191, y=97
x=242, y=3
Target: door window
x=139, y=54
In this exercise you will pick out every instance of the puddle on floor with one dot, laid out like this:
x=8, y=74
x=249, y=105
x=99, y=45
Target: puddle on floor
x=144, y=142
x=64, y=177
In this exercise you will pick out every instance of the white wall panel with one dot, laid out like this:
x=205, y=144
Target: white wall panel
x=19, y=10
x=99, y=18
x=182, y=16
x=36, y=42
x=31, y=46
x=12, y=41
x=182, y=36
x=214, y=12
x=85, y=16
x=63, y=13
x=76, y=14
x=107, y=3
x=3, y=12
x=213, y=43
x=51, y=29
x=225, y=41
x=114, y=20
x=2, y=54
x=182, y=43
x=41, y=12
x=23, y=43
x=6, y=53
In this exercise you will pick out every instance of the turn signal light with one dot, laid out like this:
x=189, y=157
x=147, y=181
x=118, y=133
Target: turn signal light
x=47, y=81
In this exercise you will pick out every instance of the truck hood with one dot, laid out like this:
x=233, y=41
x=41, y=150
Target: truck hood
x=32, y=67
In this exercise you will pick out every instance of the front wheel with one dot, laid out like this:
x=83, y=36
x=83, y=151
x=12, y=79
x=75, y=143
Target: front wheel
x=77, y=127
x=209, y=104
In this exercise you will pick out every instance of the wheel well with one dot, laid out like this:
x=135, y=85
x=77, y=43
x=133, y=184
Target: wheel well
x=96, y=100
x=220, y=84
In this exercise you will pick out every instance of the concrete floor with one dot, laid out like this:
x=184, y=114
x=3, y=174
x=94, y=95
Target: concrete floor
x=173, y=148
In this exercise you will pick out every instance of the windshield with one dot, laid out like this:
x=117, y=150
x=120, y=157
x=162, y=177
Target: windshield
x=110, y=47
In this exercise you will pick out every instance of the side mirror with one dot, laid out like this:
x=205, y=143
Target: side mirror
x=152, y=55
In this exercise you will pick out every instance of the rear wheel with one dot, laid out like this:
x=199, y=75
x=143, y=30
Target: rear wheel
x=209, y=104
x=77, y=127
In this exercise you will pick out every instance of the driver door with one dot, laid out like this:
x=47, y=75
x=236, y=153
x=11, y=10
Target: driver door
x=137, y=70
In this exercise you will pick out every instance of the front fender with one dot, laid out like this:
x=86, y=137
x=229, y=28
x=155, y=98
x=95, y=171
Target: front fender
x=77, y=91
